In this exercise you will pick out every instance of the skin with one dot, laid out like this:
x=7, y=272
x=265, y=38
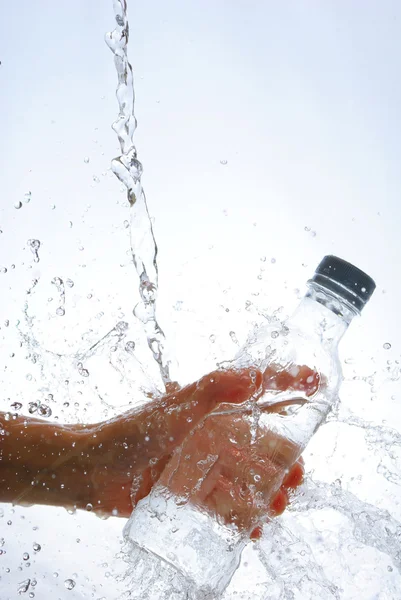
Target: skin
x=108, y=467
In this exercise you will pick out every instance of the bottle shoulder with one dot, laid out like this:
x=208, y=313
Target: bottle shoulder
x=284, y=347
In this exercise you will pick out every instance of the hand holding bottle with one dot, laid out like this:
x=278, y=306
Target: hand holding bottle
x=233, y=466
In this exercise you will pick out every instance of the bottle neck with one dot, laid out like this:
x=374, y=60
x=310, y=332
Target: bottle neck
x=323, y=313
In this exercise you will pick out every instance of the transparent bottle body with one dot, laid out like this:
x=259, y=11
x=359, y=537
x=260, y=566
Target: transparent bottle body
x=302, y=375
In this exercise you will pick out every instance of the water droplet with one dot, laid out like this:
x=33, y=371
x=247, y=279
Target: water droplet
x=60, y=312
x=122, y=326
x=126, y=224
x=32, y=407
x=34, y=246
x=257, y=477
x=96, y=179
x=86, y=159
x=274, y=334
x=387, y=346
x=37, y=547
x=27, y=197
x=273, y=260
x=223, y=162
x=212, y=338
x=306, y=228
x=23, y=586
x=44, y=410
x=89, y=507
x=233, y=337
x=17, y=204
x=69, y=584
x=16, y=405
x=83, y=372
x=70, y=283
x=130, y=347
x=3, y=270
x=25, y=556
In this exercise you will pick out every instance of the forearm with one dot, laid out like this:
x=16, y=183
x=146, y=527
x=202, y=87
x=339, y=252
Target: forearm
x=44, y=463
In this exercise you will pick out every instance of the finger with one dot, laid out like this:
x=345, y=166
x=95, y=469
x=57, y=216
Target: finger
x=257, y=533
x=279, y=502
x=295, y=378
x=295, y=476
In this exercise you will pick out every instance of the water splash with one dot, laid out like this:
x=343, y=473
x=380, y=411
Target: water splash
x=128, y=169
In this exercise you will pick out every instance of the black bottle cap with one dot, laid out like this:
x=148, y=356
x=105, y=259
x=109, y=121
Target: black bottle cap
x=345, y=280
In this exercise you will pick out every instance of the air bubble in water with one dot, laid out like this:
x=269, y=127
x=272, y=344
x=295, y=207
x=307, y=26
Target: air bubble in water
x=60, y=312
x=69, y=283
x=89, y=507
x=212, y=338
x=17, y=204
x=16, y=405
x=274, y=334
x=86, y=159
x=3, y=270
x=25, y=556
x=273, y=260
x=27, y=197
x=69, y=584
x=96, y=179
x=387, y=346
x=223, y=162
x=37, y=547
x=126, y=224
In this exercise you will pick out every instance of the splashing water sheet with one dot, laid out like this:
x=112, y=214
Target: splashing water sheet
x=340, y=539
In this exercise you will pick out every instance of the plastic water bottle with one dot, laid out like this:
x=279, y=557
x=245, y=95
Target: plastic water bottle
x=301, y=379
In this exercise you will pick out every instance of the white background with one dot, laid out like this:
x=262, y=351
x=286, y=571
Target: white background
x=301, y=100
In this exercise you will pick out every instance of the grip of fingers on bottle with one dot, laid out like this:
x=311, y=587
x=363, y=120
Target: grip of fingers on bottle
x=295, y=378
